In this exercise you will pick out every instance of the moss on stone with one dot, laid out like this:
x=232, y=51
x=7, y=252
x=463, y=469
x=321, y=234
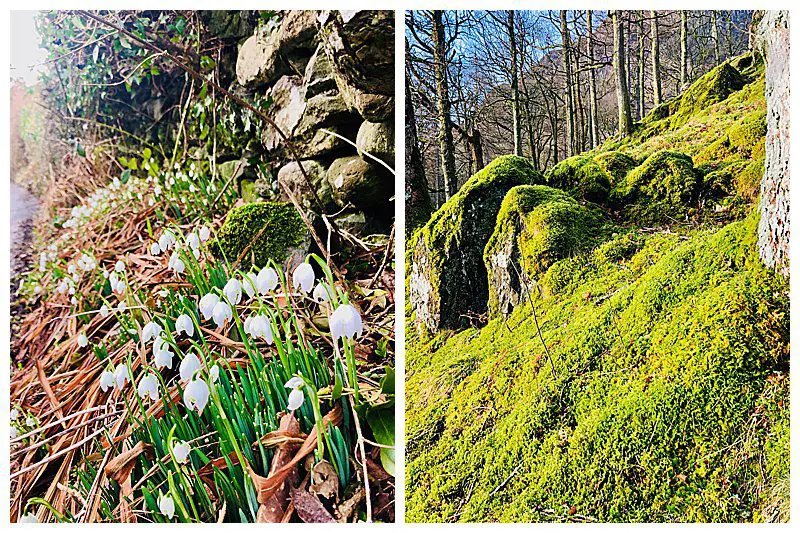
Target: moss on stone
x=582, y=177
x=283, y=229
x=665, y=176
x=713, y=87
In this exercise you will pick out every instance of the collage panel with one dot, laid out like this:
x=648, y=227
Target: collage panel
x=202, y=266
x=597, y=240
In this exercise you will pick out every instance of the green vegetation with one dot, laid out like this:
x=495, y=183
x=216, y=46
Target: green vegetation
x=278, y=226
x=583, y=177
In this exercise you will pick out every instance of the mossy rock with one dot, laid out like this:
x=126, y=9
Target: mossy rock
x=616, y=164
x=536, y=226
x=665, y=176
x=713, y=87
x=747, y=138
x=447, y=276
x=582, y=177
x=283, y=233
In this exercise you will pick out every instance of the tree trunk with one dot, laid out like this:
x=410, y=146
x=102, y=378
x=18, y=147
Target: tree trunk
x=593, y=130
x=569, y=107
x=446, y=147
x=418, y=200
x=715, y=37
x=640, y=107
x=476, y=149
x=515, y=118
x=655, y=59
x=773, y=228
x=684, y=48
x=624, y=122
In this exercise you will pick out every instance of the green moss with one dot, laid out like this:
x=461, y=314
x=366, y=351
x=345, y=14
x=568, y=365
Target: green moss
x=713, y=87
x=616, y=164
x=282, y=227
x=447, y=277
x=665, y=176
x=654, y=401
x=582, y=177
x=747, y=138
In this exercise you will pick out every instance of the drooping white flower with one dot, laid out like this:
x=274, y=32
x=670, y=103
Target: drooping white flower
x=303, y=277
x=233, y=291
x=166, y=505
x=15, y=414
x=82, y=340
x=196, y=395
x=119, y=266
x=181, y=451
x=207, y=304
x=296, y=397
x=190, y=364
x=176, y=263
x=222, y=313
x=106, y=380
x=104, y=311
x=13, y=432
x=260, y=327
x=294, y=383
x=193, y=241
x=184, y=324
x=322, y=292
x=148, y=386
x=346, y=322
x=30, y=421
x=122, y=306
x=167, y=240
x=28, y=518
x=205, y=233
x=164, y=358
x=214, y=373
x=249, y=282
x=121, y=375
x=155, y=249
x=267, y=280
x=74, y=301
x=151, y=330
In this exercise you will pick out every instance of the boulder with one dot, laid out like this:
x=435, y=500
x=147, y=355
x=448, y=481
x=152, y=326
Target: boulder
x=582, y=176
x=377, y=139
x=536, y=226
x=318, y=76
x=713, y=87
x=359, y=182
x=666, y=176
x=447, y=275
x=291, y=175
x=229, y=24
x=360, y=47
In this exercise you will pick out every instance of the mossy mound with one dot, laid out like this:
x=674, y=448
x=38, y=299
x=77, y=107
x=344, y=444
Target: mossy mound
x=662, y=394
x=616, y=164
x=665, y=176
x=447, y=277
x=536, y=226
x=582, y=177
x=277, y=226
x=713, y=87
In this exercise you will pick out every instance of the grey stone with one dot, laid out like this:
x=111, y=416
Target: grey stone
x=377, y=139
x=291, y=176
x=358, y=182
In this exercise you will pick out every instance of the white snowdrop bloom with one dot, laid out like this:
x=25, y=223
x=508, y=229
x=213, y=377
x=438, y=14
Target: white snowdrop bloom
x=37, y=289
x=303, y=277
x=166, y=505
x=222, y=313
x=82, y=340
x=167, y=240
x=184, y=324
x=74, y=301
x=15, y=414
x=260, y=327
x=190, y=364
x=294, y=383
x=72, y=289
x=30, y=421
x=179, y=267
x=196, y=253
x=214, y=373
x=322, y=292
x=233, y=291
x=249, y=281
x=106, y=380
x=207, y=304
x=14, y=432
x=71, y=269
x=28, y=518
x=148, y=386
x=192, y=188
x=76, y=277
x=122, y=306
x=296, y=399
x=181, y=452
x=63, y=287
x=155, y=249
x=119, y=266
x=104, y=311
x=346, y=322
x=151, y=330
x=266, y=280
x=204, y=233
x=121, y=375
x=193, y=241
x=196, y=395
x=163, y=358
x=157, y=190
x=150, y=202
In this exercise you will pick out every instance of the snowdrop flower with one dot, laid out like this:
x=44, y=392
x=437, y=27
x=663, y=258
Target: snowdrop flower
x=346, y=322
x=176, y=263
x=205, y=233
x=189, y=366
x=193, y=241
x=122, y=306
x=151, y=330
x=120, y=266
x=167, y=240
x=181, y=452
x=296, y=397
x=322, y=292
x=121, y=375
x=222, y=313
x=148, y=386
x=184, y=324
x=166, y=505
x=104, y=311
x=15, y=414
x=196, y=395
x=82, y=340
x=155, y=249
x=233, y=291
x=207, y=304
x=30, y=421
x=303, y=277
x=266, y=280
x=249, y=281
x=106, y=380
x=28, y=518
x=260, y=327
x=164, y=358
x=214, y=373
x=71, y=269
x=14, y=432
x=74, y=301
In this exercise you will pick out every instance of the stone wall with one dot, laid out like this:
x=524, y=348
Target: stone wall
x=334, y=71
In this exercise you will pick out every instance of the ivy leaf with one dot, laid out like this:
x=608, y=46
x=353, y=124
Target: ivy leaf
x=79, y=148
x=125, y=176
x=180, y=26
x=381, y=421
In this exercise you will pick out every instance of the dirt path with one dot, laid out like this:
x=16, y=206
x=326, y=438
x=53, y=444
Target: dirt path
x=23, y=208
